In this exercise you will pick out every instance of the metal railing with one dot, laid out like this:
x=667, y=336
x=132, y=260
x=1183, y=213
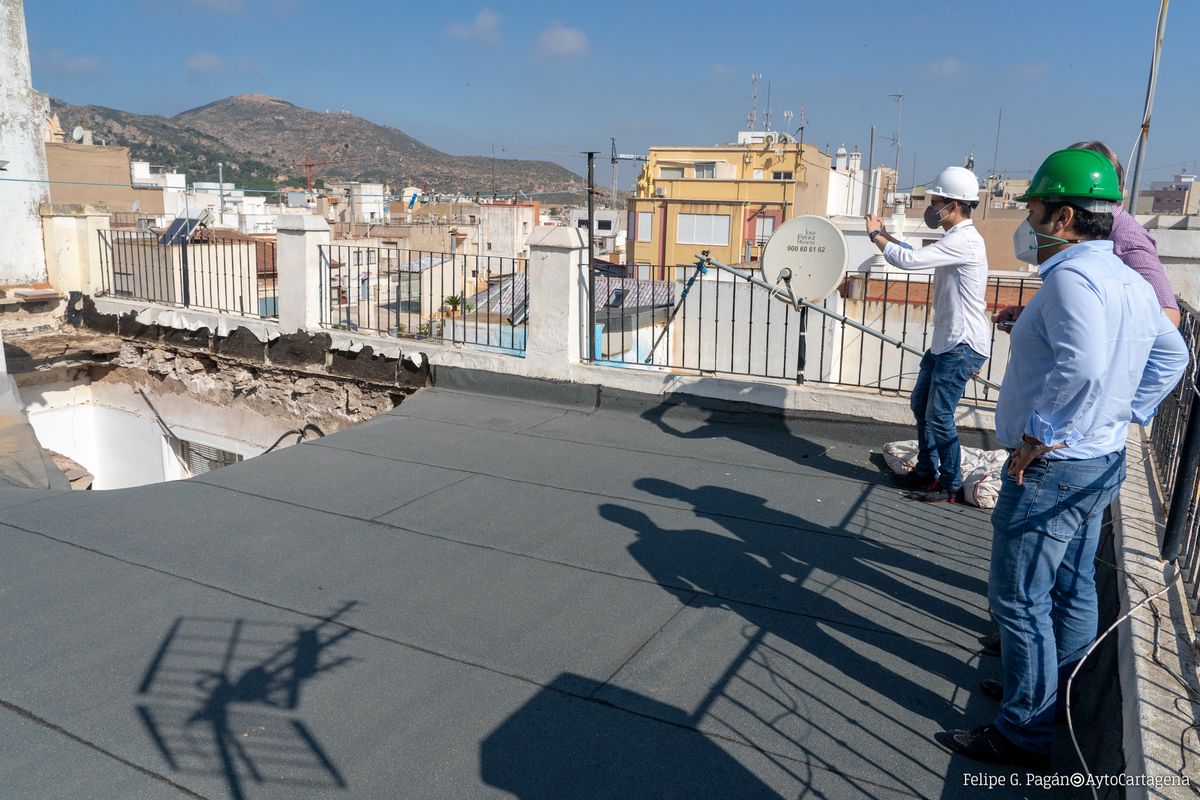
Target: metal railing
x=1175, y=448
x=730, y=326
x=208, y=272
x=477, y=300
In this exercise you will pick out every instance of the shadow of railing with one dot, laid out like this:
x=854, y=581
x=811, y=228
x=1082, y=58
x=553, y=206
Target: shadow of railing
x=218, y=696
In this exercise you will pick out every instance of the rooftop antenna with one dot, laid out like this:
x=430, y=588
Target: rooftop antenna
x=898, y=97
x=971, y=159
x=752, y=117
x=767, y=112
x=787, y=121
x=992, y=176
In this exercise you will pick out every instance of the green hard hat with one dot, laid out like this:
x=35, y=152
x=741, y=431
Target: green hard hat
x=1075, y=174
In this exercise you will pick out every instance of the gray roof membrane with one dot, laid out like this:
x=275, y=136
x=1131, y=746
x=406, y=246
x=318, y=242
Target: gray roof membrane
x=558, y=593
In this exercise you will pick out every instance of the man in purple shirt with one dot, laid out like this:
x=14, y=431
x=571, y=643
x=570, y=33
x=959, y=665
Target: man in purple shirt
x=1131, y=243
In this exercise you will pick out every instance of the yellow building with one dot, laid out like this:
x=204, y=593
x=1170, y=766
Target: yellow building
x=725, y=199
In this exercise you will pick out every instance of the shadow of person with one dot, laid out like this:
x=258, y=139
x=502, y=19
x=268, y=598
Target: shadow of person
x=790, y=439
x=559, y=746
x=831, y=608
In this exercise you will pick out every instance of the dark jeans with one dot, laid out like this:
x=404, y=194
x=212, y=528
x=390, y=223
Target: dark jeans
x=939, y=387
x=1042, y=585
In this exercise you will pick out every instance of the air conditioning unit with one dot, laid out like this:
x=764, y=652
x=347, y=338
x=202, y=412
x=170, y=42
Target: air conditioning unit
x=660, y=191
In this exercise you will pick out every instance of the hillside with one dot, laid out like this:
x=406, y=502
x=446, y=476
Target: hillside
x=259, y=139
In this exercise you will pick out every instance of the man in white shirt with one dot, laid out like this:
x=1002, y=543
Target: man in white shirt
x=961, y=327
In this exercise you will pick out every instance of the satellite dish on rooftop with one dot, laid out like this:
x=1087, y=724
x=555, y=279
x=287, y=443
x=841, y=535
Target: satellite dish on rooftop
x=77, y=133
x=809, y=254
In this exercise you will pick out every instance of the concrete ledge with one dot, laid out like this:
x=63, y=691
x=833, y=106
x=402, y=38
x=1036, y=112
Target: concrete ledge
x=786, y=396
x=580, y=396
x=187, y=319
x=1156, y=650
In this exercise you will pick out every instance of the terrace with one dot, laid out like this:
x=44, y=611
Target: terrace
x=545, y=575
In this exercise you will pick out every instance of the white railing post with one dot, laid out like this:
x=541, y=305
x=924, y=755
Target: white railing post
x=558, y=297
x=302, y=284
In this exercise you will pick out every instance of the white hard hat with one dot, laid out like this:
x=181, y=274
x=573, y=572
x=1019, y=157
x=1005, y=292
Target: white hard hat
x=955, y=183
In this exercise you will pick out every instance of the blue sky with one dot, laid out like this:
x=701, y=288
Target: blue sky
x=539, y=78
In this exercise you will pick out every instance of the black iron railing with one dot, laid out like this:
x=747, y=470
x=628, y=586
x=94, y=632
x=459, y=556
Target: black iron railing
x=234, y=275
x=388, y=291
x=727, y=325
x=1175, y=448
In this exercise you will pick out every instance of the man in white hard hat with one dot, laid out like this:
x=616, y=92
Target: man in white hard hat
x=961, y=328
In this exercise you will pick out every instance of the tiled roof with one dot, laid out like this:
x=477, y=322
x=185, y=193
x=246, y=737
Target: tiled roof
x=498, y=299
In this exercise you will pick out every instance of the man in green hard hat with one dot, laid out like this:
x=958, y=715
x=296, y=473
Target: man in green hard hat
x=1091, y=352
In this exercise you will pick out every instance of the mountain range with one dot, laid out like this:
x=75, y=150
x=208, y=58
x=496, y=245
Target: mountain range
x=261, y=140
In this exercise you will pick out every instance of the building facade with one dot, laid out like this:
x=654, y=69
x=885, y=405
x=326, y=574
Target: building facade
x=725, y=199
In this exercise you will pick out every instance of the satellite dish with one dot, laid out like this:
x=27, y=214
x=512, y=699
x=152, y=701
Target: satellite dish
x=77, y=133
x=809, y=254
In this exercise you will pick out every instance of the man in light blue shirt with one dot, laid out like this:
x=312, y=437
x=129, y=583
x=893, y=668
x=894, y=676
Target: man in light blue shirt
x=1091, y=353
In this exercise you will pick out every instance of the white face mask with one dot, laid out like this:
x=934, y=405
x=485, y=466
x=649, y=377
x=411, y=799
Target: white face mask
x=1025, y=242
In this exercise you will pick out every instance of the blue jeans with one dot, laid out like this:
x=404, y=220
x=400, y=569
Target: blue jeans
x=935, y=395
x=1042, y=587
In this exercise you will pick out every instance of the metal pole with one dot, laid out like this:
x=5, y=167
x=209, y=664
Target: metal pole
x=687, y=287
x=822, y=310
x=1144, y=138
x=1182, y=493
x=221, y=188
x=987, y=197
x=872, y=206
x=591, y=272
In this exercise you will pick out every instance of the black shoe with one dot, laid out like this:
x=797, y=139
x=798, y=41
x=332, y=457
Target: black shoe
x=987, y=743
x=991, y=643
x=993, y=690
x=913, y=480
x=936, y=495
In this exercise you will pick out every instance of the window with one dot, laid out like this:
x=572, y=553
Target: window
x=763, y=228
x=645, y=226
x=703, y=229
x=200, y=458
x=670, y=172
x=616, y=298
x=581, y=223
x=408, y=292
x=707, y=170
x=781, y=176
x=643, y=270
x=604, y=224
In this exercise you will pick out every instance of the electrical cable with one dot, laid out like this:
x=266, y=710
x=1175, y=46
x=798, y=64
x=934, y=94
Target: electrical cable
x=299, y=432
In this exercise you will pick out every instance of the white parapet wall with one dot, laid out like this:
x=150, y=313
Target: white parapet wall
x=24, y=187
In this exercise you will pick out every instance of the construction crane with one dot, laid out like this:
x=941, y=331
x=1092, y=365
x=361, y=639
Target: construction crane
x=620, y=157
x=309, y=163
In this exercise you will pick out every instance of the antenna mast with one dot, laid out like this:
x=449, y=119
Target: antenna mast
x=752, y=117
x=899, y=98
x=767, y=112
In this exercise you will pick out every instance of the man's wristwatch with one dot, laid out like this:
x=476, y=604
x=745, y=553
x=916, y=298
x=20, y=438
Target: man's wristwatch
x=1029, y=443
x=872, y=234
